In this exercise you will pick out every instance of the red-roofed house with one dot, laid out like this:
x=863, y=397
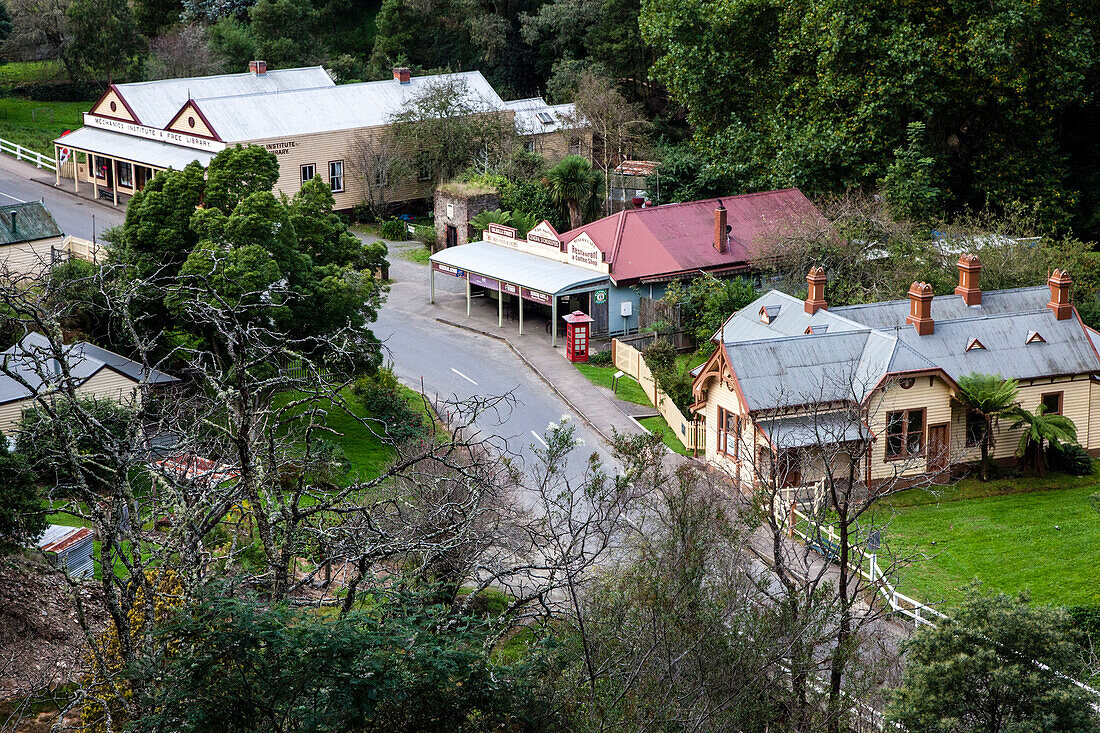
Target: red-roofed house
x=675, y=241
x=603, y=268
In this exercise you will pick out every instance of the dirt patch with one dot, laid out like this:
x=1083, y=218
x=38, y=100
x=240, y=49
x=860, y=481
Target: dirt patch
x=41, y=642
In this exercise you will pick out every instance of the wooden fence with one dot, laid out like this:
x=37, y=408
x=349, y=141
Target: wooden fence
x=19, y=152
x=82, y=249
x=692, y=433
x=680, y=340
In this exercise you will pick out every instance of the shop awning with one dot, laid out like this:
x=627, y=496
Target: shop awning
x=152, y=153
x=519, y=268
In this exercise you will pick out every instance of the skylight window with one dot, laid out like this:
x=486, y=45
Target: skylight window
x=768, y=313
x=974, y=344
x=1034, y=337
x=545, y=118
x=819, y=328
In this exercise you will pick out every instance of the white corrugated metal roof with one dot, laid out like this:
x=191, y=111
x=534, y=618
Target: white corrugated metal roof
x=249, y=117
x=535, y=117
x=157, y=102
x=519, y=268
x=130, y=147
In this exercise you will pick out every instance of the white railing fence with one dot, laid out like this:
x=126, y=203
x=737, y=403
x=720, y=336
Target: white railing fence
x=826, y=541
x=21, y=153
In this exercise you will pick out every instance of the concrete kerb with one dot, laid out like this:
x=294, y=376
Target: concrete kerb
x=537, y=371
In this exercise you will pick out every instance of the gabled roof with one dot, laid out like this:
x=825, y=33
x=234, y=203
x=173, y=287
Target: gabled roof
x=260, y=116
x=535, y=117
x=946, y=307
x=33, y=361
x=673, y=239
x=32, y=222
x=155, y=103
x=779, y=364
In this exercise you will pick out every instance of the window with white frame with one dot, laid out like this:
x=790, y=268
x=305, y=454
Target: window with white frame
x=309, y=171
x=336, y=175
x=125, y=175
x=575, y=146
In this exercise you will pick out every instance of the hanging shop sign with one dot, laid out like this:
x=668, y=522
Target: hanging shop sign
x=536, y=296
x=447, y=269
x=485, y=282
x=600, y=297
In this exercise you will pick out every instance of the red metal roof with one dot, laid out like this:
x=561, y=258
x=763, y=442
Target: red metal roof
x=679, y=238
x=66, y=539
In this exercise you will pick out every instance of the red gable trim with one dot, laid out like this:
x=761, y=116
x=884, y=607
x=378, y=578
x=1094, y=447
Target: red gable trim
x=190, y=104
x=113, y=88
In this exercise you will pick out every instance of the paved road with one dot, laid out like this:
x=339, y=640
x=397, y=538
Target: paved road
x=74, y=215
x=455, y=363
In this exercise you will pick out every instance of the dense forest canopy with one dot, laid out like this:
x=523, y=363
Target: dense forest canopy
x=826, y=95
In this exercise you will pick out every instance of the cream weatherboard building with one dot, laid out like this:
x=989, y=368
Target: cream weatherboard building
x=792, y=380
x=312, y=125
x=31, y=370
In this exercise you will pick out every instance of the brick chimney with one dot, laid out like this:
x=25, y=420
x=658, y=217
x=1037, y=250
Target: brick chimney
x=259, y=68
x=1060, y=283
x=970, y=267
x=402, y=74
x=721, y=230
x=920, y=308
x=815, y=298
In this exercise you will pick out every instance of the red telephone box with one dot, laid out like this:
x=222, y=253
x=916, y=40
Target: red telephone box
x=577, y=333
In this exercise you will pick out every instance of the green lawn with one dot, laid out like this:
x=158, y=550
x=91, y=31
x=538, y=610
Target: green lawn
x=35, y=125
x=1040, y=535
x=15, y=73
x=366, y=452
x=604, y=376
x=668, y=435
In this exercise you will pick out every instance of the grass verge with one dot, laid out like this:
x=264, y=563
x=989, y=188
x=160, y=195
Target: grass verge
x=659, y=425
x=604, y=376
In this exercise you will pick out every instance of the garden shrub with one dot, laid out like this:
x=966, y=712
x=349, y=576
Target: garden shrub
x=660, y=357
x=383, y=397
x=600, y=358
x=1072, y=459
x=393, y=230
x=425, y=233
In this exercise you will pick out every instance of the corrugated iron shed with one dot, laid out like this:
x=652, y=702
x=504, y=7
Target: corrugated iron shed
x=72, y=547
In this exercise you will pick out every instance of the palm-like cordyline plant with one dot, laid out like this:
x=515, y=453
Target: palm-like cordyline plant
x=1042, y=430
x=573, y=184
x=990, y=397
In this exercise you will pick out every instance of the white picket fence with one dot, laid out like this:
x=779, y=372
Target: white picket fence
x=21, y=153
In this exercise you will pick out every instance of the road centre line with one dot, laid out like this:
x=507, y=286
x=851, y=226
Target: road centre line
x=539, y=439
x=463, y=376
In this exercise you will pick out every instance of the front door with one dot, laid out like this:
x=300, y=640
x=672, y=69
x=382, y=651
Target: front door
x=452, y=236
x=939, y=454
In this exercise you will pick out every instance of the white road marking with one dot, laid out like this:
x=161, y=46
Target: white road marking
x=8, y=195
x=463, y=376
x=539, y=439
